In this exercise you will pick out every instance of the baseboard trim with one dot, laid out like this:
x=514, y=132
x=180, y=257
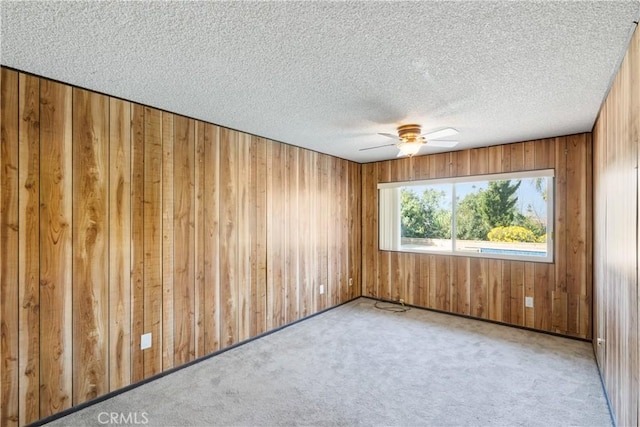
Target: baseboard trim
x=114, y=393
x=604, y=388
x=466, y=316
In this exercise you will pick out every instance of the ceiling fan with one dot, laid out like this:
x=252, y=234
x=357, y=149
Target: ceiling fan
x=410, y=139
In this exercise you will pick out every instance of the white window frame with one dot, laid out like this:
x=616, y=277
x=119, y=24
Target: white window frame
x=389, y=219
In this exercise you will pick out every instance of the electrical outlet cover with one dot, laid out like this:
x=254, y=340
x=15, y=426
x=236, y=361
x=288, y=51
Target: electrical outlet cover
x=321, y=289
x=145, y=341
x=528, y=302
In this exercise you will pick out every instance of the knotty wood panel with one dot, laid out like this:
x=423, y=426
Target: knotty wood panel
x=495, y=289
x=9, y=294
x=153, y=239
x=499, y=284
x=211, y=239
x=228, y=237
x=292, y=238
x=462, y=280
x=199, y=298
x=544, y=275
x=487, y=288
x=324, y=258
x=258, y=227
x=478, y=267
x=337, y=274
x=354, y=232
x=517, y=157
x=429, y=269
x=258, y=188
x=29, y=248
x=398, y=172
x=274, y=303
x=440, y=282
x=342, y=188
x=383, y=269
x=370, y=251
x=506, y=289
x=56, y=263
x=184, y=256
x=615, y=140
x=461, y=286
x=517, y=291
x=479, y=287
x=304, y=221
x=168, y=267
x=578, y=171
x=586, y=298
x=422, y=277
x=119, y=244
x=344, y=234
x=275, y=236
x=90, y=245
x=243, y=284
x=559, y=295
x=529, y=291
x=314, y=238
x=137, y=241
x=202, y=236
x=600, y=302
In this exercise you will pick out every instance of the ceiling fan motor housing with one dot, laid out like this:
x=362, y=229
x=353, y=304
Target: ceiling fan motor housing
x=409, y=133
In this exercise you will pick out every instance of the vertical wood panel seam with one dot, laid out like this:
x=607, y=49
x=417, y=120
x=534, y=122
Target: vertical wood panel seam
x=73, y=254
x=108, y=244
x=17, y=187
x=39, y=245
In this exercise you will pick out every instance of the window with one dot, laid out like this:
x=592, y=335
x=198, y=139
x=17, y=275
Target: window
x=507, y=216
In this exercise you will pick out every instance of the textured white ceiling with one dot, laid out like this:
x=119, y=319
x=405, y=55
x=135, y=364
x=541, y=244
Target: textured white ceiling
x=330, y=75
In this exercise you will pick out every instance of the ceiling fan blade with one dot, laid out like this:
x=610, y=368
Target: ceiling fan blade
x=442, y=133
x=447, y=144
x=401, y=154
x=389, y=135
x=377, y=146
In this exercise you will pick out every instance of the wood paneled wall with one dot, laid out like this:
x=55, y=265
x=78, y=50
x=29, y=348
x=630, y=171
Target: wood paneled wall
x=489, y=288
x=118, y=219
x=616, y=138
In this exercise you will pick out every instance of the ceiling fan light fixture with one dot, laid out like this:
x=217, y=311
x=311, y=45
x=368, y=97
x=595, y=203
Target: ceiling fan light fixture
x=409, y=148
x=410, y=139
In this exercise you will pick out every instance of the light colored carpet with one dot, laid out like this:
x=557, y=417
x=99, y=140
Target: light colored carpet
x=356, y=365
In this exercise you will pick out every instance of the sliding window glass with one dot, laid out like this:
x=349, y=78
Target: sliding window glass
x=508, y=216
